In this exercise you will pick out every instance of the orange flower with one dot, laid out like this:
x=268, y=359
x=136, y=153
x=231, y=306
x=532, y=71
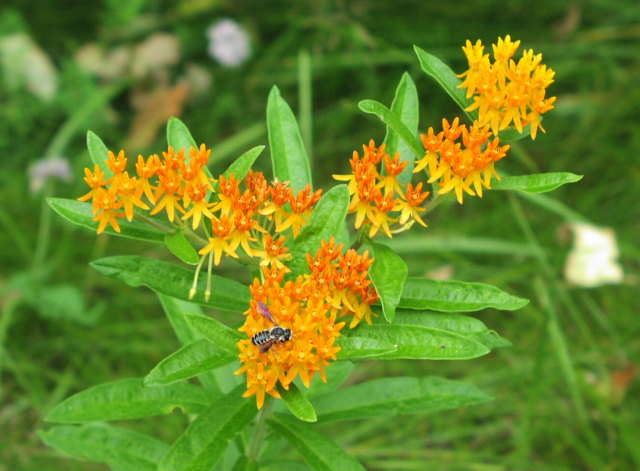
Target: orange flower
x=374, y=197
x=118, y=163
x=274, y=253
x=94, y=179
x=301, y=207
x=308, y=306
x=105, y=204
x=129, y=191
x=170, y=189
x=197, y=193
x=459, y=165
x=505, y=91
x=221, y=228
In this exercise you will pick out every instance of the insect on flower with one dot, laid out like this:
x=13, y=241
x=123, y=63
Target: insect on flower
x=268, y=337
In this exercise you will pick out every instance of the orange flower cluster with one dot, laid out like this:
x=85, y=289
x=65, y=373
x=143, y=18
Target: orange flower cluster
x=179, y=183
x=309, y=307
x=458, y=165
x=505, y=91
x=380, y=199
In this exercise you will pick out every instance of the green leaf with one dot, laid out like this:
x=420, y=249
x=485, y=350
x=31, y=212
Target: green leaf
x=179, y=136
x=421, y=343
x=446, y=78
x=240, y=167
x=191, y=360
x=297, y=403
x=387, y=273
x=121, y=449
x=180, y=246
x=456, y=296
x=356, y=348
x=128, y=399
x=98, y=153
x=325, y=221
x=407, y=107
x=173, y=280
x=336, y=373
x=535, y=183
x=389, y=397
x=82, y=215
x=208, y=436
x=443, y=243
x=288, y=156
x=319, y=451
x=511, y=134
x=222, y=336
x=393, y=121
x=469, y=327
x=176, y=309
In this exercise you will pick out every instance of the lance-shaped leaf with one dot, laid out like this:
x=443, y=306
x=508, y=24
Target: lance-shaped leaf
x=388, y=273
x=193, y=359
x=288, y=156
x=176, y=309
x=318, y=450
x=325, y=221
x=208, y=436
x=175, y=281
x=456, y=296
x=388, y=397
x=297, y=403
x=466, y=326
x=446, y=78
x=98, y=153
x=392, y=120
x=179, y=136
x=81, y=214
x=128, y=399
x=224, y=337
x=241, y=166
x=536, y=183
x=180, y=246
x=121, y=449
x=407, y=107
x=421, y=343
x=357, y=348
x=336, y=373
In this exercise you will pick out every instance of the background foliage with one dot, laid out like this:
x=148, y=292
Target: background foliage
x=566, y=396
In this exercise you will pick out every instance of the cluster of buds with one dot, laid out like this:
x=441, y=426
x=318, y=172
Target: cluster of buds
x=309, y=307
x=458, y=157
x=380, y=199
x=505, y=91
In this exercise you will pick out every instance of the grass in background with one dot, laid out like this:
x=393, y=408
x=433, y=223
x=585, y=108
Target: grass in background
x=561, y=397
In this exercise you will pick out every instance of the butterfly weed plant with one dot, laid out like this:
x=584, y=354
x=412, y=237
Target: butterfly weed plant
x=326, y=291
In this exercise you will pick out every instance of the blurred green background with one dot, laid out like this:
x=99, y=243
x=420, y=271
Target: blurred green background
x=566, y=393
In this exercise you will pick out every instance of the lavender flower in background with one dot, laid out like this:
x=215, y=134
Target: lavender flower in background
x=43, y=169
x=228, y=43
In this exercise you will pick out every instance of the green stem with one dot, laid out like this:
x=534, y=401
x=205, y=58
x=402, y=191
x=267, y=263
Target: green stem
x=259, y=430
x=12, y=229
x=44, y=226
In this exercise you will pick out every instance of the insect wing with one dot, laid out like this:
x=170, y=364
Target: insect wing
x=264, y=348
x=264, y=312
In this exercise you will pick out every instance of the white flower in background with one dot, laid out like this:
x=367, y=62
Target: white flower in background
x=228, y=43
x=25, y=64
x=593, y=261
x=43, y=169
